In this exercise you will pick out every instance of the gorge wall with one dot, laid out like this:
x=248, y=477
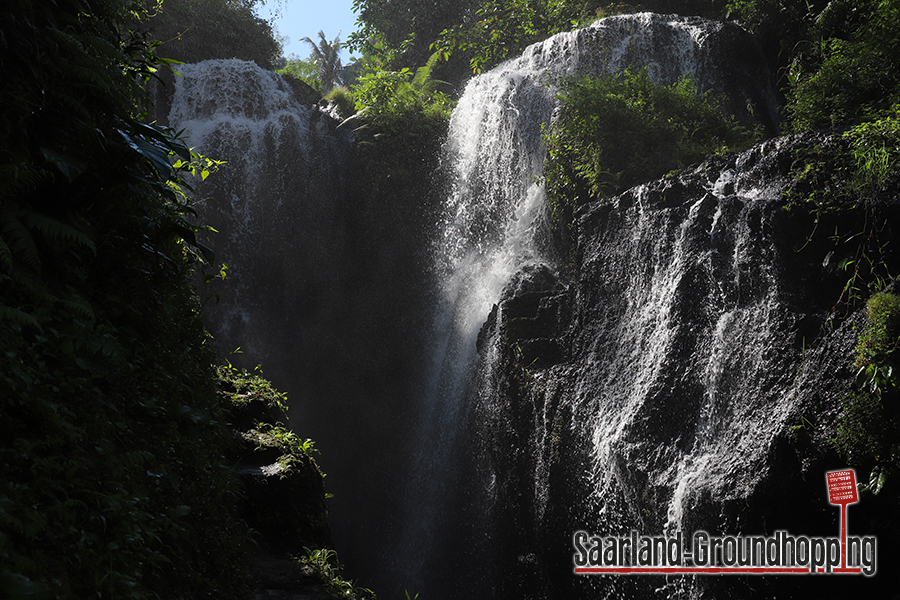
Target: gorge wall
x=683, y=378
x=477, y=392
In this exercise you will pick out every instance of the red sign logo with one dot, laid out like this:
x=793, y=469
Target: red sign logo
x=842, y=490
x=842, y=487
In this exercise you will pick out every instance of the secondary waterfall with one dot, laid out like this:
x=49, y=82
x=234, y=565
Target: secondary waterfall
x=275, y=203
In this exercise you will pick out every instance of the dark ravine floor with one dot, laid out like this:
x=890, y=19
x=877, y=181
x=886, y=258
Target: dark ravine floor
x=285, y=579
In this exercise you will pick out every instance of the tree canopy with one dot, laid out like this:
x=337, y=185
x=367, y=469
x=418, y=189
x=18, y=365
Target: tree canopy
x=196, y=30
x=326, y=56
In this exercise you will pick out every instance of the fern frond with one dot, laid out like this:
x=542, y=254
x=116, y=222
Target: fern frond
x=15, y=315
x=6, y=261
x=26, y=279
x=16, y=179
x=52, y=229
x=19, y=240
x=80, y=306
x=423, y=74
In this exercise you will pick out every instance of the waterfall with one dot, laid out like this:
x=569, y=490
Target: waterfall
x=322, y=288
x=492, y=244
x=275, y=203
x=647, y=386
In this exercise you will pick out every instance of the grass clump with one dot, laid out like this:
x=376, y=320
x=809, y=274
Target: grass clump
x=344, y=101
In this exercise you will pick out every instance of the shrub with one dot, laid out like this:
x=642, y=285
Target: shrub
x=881, y=337
x=847, y=182
x=110, y=430
x=196, y=30
x=869, y=430
x=848, y=72
x=400, y=123
x=343, y=100
x=616, y=131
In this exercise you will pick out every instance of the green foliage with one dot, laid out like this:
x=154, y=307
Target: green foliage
x=344, y=101
x=475, y=35
x=110, y=430
x=869, y=430
x=277, y=435
x=259, y=411
x=323, y=563
x=846, y=183
x=781, y=26
x=617, y=131
x=763, y=15
x=881, y=337
x=855, y=170
x=240, y=387
x=303, y=69
x=196, y=30
x=500, y=29
x=402, y=31
x=848, y=71
x=327, y=58
x=400, y=123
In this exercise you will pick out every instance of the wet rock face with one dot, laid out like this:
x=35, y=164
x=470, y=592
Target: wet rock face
x=284, y=499
x=719, y=56
x=658, y=388
x=532, y=428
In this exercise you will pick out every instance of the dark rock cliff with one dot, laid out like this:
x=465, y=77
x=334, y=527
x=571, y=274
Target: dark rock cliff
x=686, y=373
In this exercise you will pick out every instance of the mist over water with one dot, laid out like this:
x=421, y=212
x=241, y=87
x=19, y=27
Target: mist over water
x=660, y=369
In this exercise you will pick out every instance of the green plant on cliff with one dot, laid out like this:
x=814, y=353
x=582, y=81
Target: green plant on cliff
x=847, y=182
x=499, y=29
x=240, y=387
x=401, y=120
x=847, y=71
x=111, y=434
x=616, y=131
x=868, y=434
x=324, y=564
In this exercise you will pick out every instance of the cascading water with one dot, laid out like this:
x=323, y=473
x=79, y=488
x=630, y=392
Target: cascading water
x=649, y=390
x=494, y=228
x=322, y=287
x=276, y=205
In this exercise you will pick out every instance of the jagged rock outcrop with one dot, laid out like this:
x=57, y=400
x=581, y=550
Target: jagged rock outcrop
x=283, y=498
x=284, y=490
x=688, y=375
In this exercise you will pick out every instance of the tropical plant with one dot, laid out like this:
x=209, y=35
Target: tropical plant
x=344, y=101
x=846, y=182
x=616, y=131
x=869, y=429
x=324, y=564
x=401, y=119
x=500, y=29
x=304, y=69
x=848, y=72
x=110, y=431
x=403, y=30
x=327, y=58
